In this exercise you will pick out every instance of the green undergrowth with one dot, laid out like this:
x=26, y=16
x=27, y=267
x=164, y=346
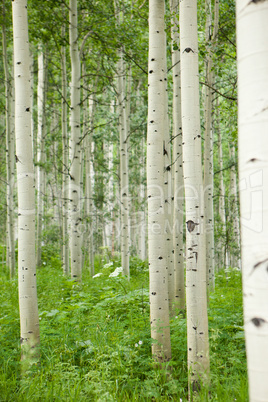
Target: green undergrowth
x=96, y=345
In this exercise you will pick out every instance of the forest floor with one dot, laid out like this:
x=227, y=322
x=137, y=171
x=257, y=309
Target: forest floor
x=96, y=345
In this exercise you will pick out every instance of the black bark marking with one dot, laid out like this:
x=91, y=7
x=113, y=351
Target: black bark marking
x=257, y=1
x=27, y=109
x=190, y=225
x=160, y=258
x=154, y=293
x=188, y=50
x=258, y=322
x=252, y=160
x=258, y=264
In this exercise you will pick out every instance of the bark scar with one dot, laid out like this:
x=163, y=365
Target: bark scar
x=258, y=264
x=258, y=322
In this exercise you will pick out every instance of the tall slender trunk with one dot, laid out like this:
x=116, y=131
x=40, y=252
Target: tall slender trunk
x=65, y=159
x=208, y=146
x=142, y=208
x=75, y=197
x=252, y=63
x=10, y=154
x=236, y=260
x=178, y=212
x=157, y=109
x=29, y=320
x=123, y=130
x=89, y=206
x=41, y=104
x=196, y=289
x=224, y=261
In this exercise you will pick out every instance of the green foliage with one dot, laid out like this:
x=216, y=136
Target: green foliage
x=96, y=344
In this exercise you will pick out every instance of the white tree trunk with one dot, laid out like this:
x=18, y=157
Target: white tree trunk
x=65, y=159
x=179, y=288
x=157, y=108
x=142, y=223
x=208, y=152
x=25, y=179
x=123, y=130
x=252, y=39
x=10, y=154
x=41, y=118
x=196, y=289
x=75, y=196
x=223, y=239
x=236, y=260
x=110, y=195
x=89, y=206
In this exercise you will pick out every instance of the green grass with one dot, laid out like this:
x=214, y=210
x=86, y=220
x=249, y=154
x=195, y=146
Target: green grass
x=96, y=345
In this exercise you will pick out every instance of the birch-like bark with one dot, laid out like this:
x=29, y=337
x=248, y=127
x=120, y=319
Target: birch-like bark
x=196, y=289
x=89, y=206
x=29, y=320
x=108, y=146
x=252, y=63
x=65, y=159
x=142, y=223
x=123, y=130
x=41, y=127
x=179, y=287
x=75, y=149
x=236, y=260
x=157, y=108
x=222, y=241
x=208, y=149
x=10, y=154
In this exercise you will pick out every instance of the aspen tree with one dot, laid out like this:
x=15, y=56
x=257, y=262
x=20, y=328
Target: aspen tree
x=224, y=260
x=123, y=130
x=142, y=209
x=236, y=261
x=179, y=288
x=211, y=35
x=29, y=320
x=41, y=127
x=10, y=153
x=89, y=205
x=65, y=157
x=252, y=63
x=196, y=289
x=157, y=108
x=75, y=148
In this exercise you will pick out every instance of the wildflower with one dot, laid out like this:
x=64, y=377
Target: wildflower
x=108, y=264
x=140, y=342
x=97, y=275
x=116, y=272
x=136, y=345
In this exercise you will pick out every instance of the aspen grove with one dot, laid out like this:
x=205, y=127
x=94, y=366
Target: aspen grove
x=133, y=200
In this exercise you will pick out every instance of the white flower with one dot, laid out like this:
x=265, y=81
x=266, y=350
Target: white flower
x=108, y=264
x=140, y=342
x=136, y=345
x=97, y=275
x=116, y=272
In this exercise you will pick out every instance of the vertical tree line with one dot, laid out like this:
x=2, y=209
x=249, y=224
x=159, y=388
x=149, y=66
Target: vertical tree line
x=120, y=151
